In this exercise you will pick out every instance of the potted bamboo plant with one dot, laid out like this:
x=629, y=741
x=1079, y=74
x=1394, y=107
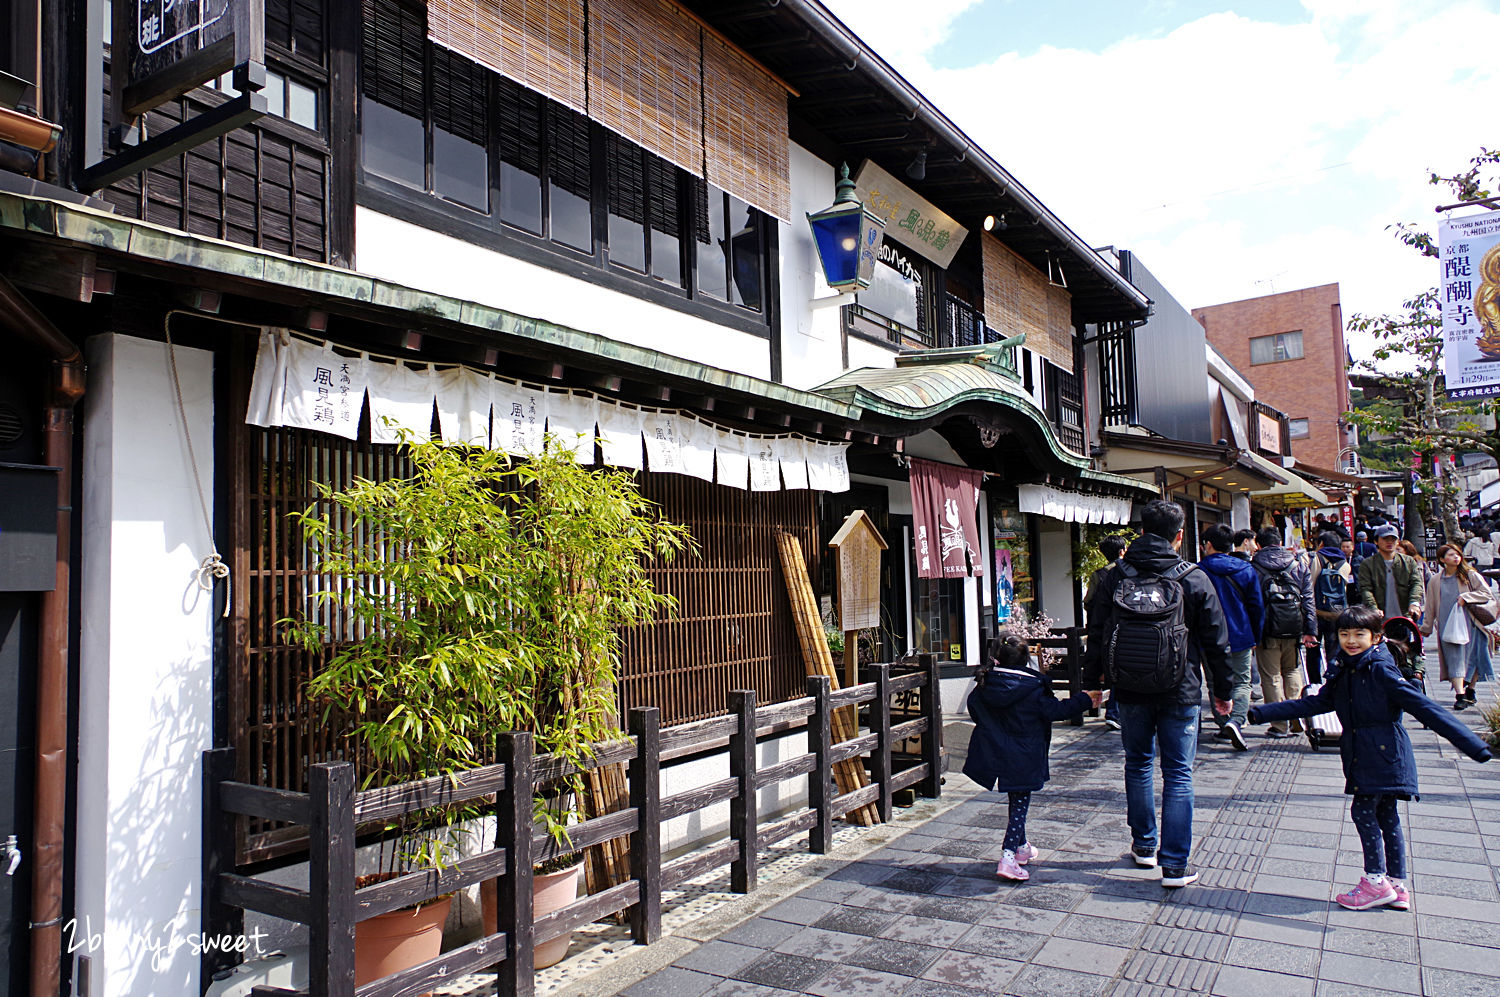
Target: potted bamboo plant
x=476, y=595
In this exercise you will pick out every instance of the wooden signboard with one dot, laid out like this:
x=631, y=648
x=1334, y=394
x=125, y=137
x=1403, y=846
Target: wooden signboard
x=164, y=48
x=858, y=545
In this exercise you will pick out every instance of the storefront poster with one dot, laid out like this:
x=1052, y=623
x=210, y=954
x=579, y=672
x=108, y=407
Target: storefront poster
x=1469, y=295
x=1005, y=585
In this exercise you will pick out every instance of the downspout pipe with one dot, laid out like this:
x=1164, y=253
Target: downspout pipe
x=65, y=387
x=830, y=28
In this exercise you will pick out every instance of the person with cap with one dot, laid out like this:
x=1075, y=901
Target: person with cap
x=1390, y=581
x=1362, y=545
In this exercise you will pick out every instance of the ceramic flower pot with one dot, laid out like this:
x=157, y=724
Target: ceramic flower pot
x=549, y=891
x=389, y=943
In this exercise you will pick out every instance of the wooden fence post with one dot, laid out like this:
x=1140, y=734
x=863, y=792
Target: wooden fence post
x=331, y=879
x=880, y=726
x=645, y=843
x=1075, y=667
x=820, y=779
x=932, y=741
x=513, y=819
x=744, y=809
x=219, y=919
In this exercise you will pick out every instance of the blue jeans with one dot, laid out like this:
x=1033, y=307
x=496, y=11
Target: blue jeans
x=1173, y=729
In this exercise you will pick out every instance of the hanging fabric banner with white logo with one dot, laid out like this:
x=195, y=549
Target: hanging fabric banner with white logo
x=945, y=530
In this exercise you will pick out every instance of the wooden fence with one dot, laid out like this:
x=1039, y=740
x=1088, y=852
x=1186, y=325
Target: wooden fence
x=332, y=810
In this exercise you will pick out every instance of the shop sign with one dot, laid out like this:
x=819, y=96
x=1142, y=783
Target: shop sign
x=909, y=219
x=1209, y=494
x=1469, y=295
x=1269, y=429
x=1346, y=516
x=164, y=48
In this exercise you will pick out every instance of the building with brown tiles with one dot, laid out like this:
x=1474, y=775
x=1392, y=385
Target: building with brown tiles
x=1290, y=346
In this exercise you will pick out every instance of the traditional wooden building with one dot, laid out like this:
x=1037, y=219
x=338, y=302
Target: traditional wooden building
x=593, y=211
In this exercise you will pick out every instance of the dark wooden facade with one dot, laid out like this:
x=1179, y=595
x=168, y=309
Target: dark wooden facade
x=270, y=184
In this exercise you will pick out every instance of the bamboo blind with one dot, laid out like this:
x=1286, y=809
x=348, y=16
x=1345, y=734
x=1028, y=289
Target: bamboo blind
x=746, y=147
x=1018, y=298
x=537, y=43
x=644, y=80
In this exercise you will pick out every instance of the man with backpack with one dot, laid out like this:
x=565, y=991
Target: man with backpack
x=1238, y=587
x=1291, y=622
x=1154, y=621
x=1331, y=575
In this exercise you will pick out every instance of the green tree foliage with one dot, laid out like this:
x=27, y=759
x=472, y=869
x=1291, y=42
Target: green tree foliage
x=480, y=595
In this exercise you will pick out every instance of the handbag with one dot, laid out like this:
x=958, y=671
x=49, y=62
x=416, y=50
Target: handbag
x=1480, y=605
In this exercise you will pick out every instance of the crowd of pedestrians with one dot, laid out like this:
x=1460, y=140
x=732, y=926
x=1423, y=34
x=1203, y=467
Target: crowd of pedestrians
x=1332, y=630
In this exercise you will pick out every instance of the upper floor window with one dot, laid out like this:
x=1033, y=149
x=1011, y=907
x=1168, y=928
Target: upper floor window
x=1271, y=349
x=497, y=155
x=1297, y=429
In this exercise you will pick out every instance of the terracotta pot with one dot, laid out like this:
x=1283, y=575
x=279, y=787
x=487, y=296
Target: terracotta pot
x=549, y=891
x=389, y=943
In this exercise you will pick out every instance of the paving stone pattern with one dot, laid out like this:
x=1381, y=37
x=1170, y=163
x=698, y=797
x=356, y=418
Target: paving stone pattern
x=925, y=915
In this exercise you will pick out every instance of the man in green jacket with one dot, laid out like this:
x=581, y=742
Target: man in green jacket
x=1391, y=581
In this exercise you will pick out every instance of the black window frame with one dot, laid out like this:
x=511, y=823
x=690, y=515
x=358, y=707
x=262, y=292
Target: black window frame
x=488, y=230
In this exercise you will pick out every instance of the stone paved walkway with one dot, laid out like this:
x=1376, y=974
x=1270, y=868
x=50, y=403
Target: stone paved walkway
x=924, y=914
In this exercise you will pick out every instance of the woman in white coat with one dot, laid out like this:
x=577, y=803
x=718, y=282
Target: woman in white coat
x=1463, y=645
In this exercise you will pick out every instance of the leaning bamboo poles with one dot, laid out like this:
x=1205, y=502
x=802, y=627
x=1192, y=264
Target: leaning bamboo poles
x=849, y=774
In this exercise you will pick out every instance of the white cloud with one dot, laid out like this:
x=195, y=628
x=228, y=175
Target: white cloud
x=1235, y=155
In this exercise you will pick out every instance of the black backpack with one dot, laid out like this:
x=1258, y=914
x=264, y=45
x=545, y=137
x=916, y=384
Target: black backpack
x=1283, y=605
x=1148, y=643
x=1331, y=590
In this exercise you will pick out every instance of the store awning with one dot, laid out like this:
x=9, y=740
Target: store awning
x=1073, y=507
x=1296, y=492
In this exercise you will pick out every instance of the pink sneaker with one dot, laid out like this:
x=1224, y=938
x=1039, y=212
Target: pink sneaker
x=1403, y=899
x=1366, y=895
x=1026, y=853
x=1009, y=868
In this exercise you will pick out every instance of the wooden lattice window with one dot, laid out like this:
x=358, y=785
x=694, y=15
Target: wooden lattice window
x=733, y=631
x=733, y=628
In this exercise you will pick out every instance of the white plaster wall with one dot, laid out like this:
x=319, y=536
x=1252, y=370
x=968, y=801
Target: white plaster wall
x=417, y=257
x=1056, y=553
x=145, y=704
x=810, y=339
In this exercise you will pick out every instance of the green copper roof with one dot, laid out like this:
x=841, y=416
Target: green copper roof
x=928, y=384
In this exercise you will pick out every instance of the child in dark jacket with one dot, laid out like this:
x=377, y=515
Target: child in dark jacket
x=1013, y=709
x=1369, y=694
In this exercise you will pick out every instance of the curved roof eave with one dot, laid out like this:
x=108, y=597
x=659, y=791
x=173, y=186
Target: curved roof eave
x=870, y=401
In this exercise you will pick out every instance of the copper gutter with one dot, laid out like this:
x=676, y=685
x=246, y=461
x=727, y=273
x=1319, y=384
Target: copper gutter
x=65, y=388
x=28, y=132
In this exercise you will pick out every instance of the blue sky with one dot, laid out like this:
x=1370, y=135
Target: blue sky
x=1238, y=149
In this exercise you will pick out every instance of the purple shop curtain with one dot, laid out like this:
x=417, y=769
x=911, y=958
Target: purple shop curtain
x=946, y=533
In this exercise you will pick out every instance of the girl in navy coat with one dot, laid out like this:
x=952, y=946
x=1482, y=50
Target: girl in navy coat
x=1369, y=694
x=1013, y=710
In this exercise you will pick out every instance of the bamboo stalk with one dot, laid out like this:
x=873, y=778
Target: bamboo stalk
x=849, y=774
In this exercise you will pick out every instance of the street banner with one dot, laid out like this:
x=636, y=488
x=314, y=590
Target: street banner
x=1469, y=295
